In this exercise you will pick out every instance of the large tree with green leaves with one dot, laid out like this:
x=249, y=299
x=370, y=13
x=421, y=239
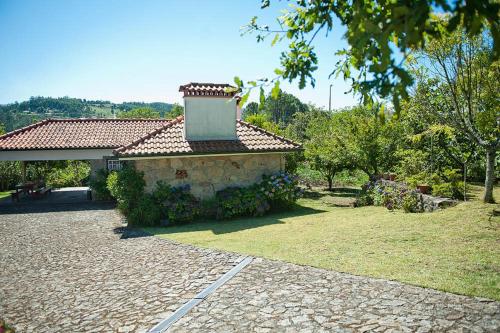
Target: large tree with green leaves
x=380, y=34
x=458, y=84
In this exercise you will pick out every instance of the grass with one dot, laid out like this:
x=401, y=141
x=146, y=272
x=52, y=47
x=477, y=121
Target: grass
x=455, y=250
x=4, y=194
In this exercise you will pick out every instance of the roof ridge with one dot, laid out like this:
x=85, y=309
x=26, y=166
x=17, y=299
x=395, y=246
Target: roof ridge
x=108, y=119
x=149, y=135
x=25, y=128
x=267, y=132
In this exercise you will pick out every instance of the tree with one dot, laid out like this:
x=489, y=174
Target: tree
x=458, y=82
x=176, y=111
x=281, y=109
x=141, y=112
x=325, y=151
x=380, y=34
x=2, y=129
x=250, y=109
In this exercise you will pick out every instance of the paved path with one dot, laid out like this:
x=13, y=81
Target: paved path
x=273, y=296
x=71, y=272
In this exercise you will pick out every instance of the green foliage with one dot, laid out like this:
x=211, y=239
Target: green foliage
x=10, y=175
x=241, y=201
x=146, y=212
x=73, y=174
x=99, y=185
x=378, y=32
x=250, y=109
x=392, y=196
x=2, y=129
x=177, y=203
x=257, y=120
x=177, y=110
x=451, y=187
x=126, y=186
x=17, y=115
x=140, y=113
x=281, y=109
x=276, y=190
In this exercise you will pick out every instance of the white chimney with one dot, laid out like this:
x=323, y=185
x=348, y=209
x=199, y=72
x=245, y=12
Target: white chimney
x=209, y=111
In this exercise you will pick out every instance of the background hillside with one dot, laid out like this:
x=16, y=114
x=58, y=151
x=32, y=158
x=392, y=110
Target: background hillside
x=18, y=115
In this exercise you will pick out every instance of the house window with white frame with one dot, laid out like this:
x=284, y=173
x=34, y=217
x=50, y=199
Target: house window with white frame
x=114, y=165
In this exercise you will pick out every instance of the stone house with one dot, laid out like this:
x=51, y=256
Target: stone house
x=208, y=147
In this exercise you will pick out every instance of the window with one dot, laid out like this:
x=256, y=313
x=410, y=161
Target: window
x=114, y=165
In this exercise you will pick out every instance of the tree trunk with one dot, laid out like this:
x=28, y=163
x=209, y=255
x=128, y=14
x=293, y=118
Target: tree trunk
x=329, y=178
x=490, y=175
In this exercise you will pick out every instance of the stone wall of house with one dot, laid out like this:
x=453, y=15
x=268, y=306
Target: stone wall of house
x=208, y=174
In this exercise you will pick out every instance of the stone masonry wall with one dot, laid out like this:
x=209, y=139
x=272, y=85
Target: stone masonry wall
x=208, y=174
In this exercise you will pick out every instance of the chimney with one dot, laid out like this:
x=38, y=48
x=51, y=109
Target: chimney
x=209, y=111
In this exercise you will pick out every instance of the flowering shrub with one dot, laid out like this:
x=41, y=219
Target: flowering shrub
x=281, y=187
x=274, y=190
x=390, y=195
x=177, y=204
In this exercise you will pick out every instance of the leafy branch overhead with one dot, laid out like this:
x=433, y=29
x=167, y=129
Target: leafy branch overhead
x=380, y=35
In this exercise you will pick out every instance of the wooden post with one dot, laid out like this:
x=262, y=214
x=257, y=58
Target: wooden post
x=23, y=166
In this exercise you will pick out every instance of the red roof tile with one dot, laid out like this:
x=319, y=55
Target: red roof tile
x=208, y=89
x=79, y=133
x=169, y=140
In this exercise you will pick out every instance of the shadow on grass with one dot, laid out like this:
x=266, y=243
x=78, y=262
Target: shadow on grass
x=234, y=225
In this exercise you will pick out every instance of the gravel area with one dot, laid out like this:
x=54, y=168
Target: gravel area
x=273, y=296
x=71, y=271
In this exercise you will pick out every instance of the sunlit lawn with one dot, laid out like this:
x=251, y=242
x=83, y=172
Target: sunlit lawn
x=4, y=194
x=456, y=250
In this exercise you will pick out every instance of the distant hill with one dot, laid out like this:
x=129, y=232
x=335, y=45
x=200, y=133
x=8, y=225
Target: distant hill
x=17, y=115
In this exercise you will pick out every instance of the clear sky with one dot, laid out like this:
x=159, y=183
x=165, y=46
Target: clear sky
x=142, y=50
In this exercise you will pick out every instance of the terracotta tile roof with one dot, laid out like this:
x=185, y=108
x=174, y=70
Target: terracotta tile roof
x=169, y=140
x=208, y=89
x=79, y=133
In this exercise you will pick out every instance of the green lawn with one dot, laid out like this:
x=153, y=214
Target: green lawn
x=4, y=194
x=456, y=250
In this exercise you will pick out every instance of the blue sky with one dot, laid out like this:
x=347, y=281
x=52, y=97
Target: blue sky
x=142, y=50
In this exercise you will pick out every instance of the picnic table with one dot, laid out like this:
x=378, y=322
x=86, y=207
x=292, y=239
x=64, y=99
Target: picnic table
x=31, y=189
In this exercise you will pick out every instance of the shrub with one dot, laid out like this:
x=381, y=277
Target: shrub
x=126, y=186
x=99, y=187
x=72, y=173
x=241, y=201
x=177, y=204
x=281, y=187
x=392, y=196
x=275, y=190
x=145, y=212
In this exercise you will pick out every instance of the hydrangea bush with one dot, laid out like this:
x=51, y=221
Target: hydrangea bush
x=273, y=191
x=391, y=195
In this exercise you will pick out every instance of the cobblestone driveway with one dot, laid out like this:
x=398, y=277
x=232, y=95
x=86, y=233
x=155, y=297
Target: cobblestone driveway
x=272, y=296
x=69, y=272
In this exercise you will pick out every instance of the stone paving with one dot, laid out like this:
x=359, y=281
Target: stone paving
x=71, y=271
x=67, y=271
x=273, y=296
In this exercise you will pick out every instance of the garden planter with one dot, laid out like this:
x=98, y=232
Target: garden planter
x=424, y=189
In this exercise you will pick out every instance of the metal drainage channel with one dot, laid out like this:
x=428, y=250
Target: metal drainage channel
x=180, y=312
